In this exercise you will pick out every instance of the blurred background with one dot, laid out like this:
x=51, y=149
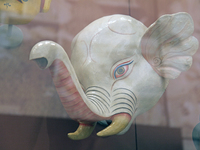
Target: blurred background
x=25, y=90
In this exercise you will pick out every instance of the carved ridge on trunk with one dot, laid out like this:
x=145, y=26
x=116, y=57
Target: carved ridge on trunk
x=68, y=93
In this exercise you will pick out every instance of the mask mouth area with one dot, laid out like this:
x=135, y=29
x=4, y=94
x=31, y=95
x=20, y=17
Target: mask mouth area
x=42, y=62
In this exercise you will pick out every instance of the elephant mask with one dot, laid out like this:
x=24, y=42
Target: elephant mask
x=119, y=68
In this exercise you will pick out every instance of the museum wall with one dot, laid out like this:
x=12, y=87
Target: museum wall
x=26, y=90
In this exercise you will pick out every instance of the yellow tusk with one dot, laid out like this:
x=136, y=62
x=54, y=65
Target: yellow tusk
x=84, y=130
x=119, y=122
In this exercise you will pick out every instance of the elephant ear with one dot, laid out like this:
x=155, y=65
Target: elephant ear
x=168, y=46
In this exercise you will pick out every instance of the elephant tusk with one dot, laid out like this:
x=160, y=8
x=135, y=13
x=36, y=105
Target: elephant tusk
x=84, y=130
x=119, y=123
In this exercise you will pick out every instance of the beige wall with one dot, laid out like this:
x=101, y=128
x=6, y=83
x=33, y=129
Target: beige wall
x=26, y=90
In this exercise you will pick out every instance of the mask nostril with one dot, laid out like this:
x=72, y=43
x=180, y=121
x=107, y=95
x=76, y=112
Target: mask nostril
x=42, y=62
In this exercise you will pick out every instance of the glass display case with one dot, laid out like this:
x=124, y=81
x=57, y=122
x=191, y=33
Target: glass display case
x=31, y=113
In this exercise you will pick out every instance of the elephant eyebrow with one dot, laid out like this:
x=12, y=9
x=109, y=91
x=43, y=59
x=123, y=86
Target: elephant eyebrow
x=124, y=63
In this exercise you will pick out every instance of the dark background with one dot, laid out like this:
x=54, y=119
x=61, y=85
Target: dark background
x=36, y=133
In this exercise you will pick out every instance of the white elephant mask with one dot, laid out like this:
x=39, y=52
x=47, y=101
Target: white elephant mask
x=118, y=69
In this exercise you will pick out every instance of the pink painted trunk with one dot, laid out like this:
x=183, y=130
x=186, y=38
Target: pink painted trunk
x=69, y=96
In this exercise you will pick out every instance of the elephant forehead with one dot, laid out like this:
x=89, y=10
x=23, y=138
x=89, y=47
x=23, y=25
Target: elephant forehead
x=109, y=38
x=110, y=46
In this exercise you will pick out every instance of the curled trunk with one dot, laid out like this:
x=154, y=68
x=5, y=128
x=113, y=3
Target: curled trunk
x=72, y=101
x=50, y=55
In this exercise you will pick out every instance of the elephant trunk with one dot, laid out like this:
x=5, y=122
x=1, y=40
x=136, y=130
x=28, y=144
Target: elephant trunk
x=70, y=97
x=51, y=55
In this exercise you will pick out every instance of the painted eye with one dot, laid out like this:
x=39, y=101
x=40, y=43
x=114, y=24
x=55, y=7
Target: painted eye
x=121, y=69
